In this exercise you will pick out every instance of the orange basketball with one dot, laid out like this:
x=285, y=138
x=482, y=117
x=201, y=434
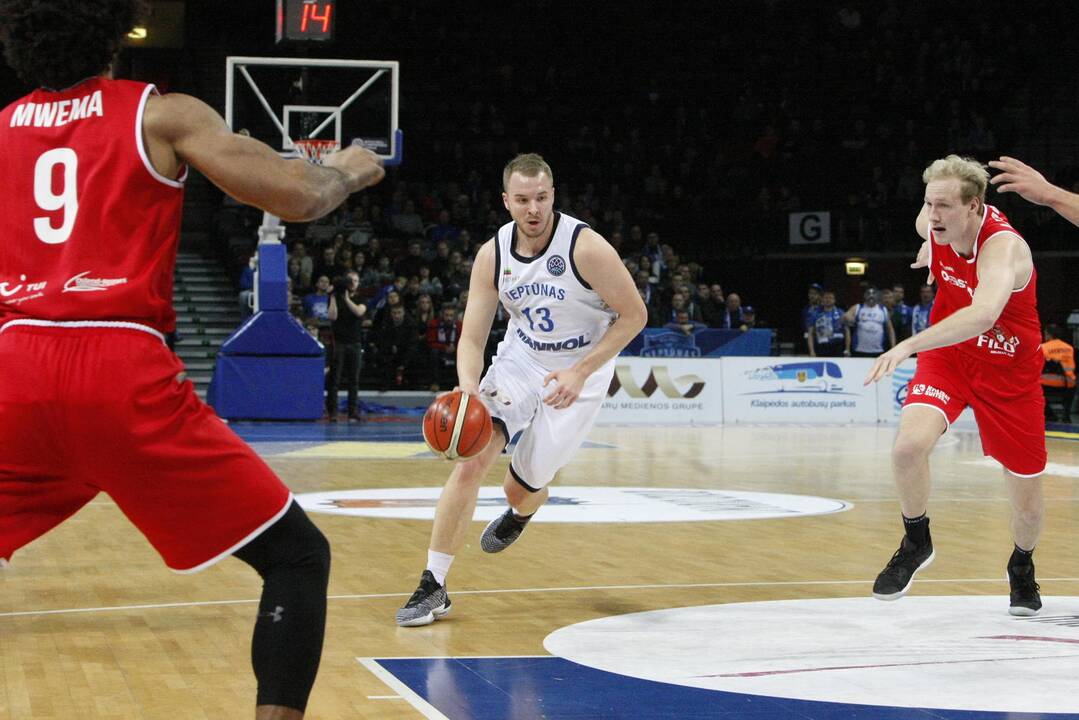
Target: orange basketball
x=456, y=425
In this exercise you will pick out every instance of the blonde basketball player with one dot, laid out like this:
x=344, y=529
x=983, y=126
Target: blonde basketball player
x=573, y=307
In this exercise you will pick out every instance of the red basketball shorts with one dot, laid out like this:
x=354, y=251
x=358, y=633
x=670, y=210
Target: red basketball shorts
x=1007, y=402
x=92, y=410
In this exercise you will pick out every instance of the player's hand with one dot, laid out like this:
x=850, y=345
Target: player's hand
x=568, y=384
x=887, y=363
x=923, y=260
x=1018, y=177
x=472, y=389
x=360, y=166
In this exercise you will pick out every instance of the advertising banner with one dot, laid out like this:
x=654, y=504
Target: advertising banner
x=793, y=389
x=664, y=391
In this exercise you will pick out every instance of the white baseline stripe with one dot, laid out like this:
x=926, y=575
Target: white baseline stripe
x=583, y=588
x=422, y=706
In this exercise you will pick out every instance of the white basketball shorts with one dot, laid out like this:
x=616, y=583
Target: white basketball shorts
x=513, y=391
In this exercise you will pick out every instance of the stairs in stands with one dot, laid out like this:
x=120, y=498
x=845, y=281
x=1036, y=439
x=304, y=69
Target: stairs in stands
x=207, y=312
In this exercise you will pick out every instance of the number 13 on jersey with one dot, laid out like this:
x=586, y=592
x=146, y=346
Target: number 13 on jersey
x=542, y=321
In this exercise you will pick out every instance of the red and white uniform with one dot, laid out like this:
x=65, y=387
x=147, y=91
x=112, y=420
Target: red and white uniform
x=996, y=373
x=90, y=396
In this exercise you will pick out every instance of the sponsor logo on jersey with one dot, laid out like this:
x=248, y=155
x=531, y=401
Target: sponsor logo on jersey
x=56, y=114
x=9, y=289
x=556, y=265
x=930, y=391
x=20, y=291
x=953, y=280
x=569, y=344
x=997, y=342
x=537, y=289
x=81, y=283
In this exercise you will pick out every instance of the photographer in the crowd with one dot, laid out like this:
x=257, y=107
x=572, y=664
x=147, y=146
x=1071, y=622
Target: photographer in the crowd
x=346, y=314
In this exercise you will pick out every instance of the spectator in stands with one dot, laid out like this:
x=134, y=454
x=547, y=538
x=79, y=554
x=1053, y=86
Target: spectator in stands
x=316, y=305
x=749, y=318
x=396, y=345
x=368, y=275
x=442, y=336
x=346, y=314
x=384, y=271
x=429, y=285
x=465, y=246
x=679, y=303
x=1058, y=373
x=408, y=222
x=455, y=278
x=919, y=316
x=829, y=336
x=644, y=263
x=732, y=315
x=655, y=253
x=441, y=261
x=901, y=313
x=326, y=262
x=646, y=288
x=307, y=264
x=809, y=312
x=362, y=231
x=409, y=265
x=872, y=326
x=343, y=264
x=682, y=323
x=373, y=251
x=711, y=310
x=444, y=229
x=422, y=314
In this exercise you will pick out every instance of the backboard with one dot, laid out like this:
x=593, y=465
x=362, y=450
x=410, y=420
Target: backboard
x=279, y=100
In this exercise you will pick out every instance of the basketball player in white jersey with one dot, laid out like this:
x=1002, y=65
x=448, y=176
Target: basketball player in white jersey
x=573, y=307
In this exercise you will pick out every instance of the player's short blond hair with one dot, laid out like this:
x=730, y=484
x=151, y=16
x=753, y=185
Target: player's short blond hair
x=973, y=176
x=527, y=164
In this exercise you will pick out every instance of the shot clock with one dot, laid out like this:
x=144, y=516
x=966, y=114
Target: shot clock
x=305, y=20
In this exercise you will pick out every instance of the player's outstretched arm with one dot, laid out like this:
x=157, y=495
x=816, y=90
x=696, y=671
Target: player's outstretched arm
x=999, y=262
x=1018, y=177
x=479, y=315
x=179, y=128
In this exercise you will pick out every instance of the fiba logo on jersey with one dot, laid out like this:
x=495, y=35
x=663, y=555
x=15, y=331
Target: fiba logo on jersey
x=556, y=265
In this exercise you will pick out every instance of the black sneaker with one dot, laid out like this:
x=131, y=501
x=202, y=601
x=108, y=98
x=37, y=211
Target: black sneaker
x=896, y=577
x=501, y=532
x=1025, y=598
x=429, y=603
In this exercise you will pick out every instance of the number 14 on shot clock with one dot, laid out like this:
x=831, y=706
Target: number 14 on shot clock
x=305, y=20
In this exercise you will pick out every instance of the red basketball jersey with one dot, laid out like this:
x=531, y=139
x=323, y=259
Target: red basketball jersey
x=1016, y=335
x=88, y=228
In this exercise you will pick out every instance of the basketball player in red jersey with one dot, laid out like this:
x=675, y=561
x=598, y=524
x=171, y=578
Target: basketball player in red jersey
x=91, y=399
x=982, y=350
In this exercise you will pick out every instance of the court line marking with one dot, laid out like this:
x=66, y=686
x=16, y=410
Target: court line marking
x=503, y=591
x=390, y=680
x=768, y=673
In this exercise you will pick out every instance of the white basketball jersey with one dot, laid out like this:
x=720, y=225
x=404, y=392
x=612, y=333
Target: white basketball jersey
x=555, y=316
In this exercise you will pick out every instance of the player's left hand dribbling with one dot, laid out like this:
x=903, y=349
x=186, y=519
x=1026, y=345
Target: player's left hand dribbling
x=568, y=385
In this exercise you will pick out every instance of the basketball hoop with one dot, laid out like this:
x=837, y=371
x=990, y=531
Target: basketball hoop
x=314, y=150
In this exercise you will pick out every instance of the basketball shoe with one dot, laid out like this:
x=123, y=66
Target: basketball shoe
x=502, y=532
x=1025, y=598
x=429, y=603
x=896, y=577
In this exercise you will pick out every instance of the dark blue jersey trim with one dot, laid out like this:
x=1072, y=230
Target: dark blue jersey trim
x=522, y=258
x=501, y=424
x=521, y=482
x=573, y=263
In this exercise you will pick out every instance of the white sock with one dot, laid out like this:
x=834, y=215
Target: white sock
x=439, y=565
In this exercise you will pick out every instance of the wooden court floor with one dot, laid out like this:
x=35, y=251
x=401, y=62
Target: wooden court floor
x=92, y=625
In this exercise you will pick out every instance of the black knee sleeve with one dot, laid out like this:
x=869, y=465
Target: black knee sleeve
x=293, y=558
